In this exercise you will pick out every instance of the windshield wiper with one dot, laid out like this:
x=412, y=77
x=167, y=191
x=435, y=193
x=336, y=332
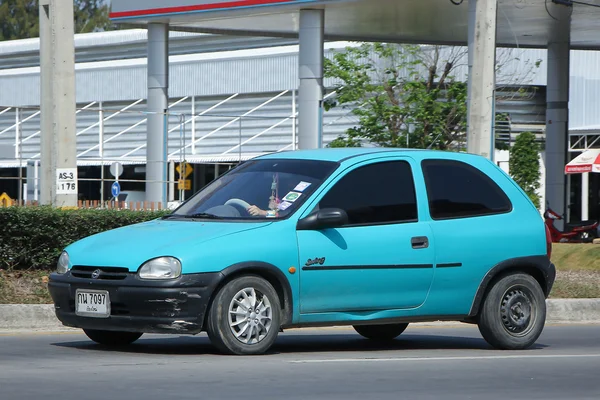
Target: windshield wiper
x=197, y=215
x=202, y=215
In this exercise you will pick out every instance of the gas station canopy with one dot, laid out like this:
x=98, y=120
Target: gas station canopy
x=521, y=23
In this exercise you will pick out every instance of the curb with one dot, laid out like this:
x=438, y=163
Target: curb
x=41, y=317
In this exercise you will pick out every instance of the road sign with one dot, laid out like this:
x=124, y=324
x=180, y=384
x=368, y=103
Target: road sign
x=116, y=169
x=115, y=189
x=5, y=200
x=184, y=170
x=184, y=184
x=66, y=180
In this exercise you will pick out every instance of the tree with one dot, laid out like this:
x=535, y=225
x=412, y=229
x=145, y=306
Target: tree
x=20, y=18
x=403, y=95
x=524, y=165
x=407, y=95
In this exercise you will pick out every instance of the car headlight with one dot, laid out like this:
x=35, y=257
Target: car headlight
x=63, y=263
x=161, y=268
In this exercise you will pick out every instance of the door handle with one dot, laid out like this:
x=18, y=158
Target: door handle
x=419, y=242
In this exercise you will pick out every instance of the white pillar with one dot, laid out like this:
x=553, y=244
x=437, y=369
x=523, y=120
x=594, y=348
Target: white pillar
x=171, y=180
x=158, y=86
x=585, y=196
x=57, y=62
x=557, y=111
x=310, y=72
x=481, y=85
x=46, y=176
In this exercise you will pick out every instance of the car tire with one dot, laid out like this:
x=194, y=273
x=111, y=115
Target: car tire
x=244, y=317
x=513, y=313
x=381, y=332
x=112, y=338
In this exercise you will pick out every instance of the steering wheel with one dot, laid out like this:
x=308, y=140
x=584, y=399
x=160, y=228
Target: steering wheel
x=239, y=203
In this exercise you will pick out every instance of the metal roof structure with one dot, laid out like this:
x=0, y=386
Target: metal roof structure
x=521, y=23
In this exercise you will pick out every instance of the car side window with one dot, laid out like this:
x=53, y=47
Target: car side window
x=375, y=194
x=458, y=190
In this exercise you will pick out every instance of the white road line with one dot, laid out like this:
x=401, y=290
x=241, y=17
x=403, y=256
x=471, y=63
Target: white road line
x=472, y=358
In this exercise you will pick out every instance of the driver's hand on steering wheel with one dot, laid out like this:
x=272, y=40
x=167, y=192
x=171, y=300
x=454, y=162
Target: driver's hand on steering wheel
x=255, y=211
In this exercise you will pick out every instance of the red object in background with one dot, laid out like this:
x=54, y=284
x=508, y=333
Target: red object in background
x=581, y=232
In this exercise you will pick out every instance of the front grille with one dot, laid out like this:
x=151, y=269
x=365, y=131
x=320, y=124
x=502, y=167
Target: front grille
x=104, y=273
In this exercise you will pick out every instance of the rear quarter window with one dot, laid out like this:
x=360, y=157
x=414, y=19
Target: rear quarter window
x=458, y=190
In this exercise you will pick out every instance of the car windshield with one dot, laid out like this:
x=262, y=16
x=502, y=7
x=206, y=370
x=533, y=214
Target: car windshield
x=258, y=189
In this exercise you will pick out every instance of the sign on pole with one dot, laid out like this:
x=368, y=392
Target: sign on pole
x=115, y=189
x=66, y=181
x=184, y=170
x=116, y=169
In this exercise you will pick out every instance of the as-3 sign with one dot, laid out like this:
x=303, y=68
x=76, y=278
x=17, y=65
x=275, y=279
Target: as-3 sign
x=66, y=181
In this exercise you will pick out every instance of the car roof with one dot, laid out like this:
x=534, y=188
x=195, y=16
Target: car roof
x=343, y=154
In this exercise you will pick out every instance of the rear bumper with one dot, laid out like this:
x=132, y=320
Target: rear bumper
x=176, y=306
x=550, y=279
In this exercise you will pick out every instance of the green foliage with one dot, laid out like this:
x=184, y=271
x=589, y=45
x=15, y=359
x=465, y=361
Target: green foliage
x=20, y=18
x=403, y=96
x=33, y=237
x=524, y=165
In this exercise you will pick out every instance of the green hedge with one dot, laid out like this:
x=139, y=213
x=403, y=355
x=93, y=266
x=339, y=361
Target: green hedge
x=33, y=237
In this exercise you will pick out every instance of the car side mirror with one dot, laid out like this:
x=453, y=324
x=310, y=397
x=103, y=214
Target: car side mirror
x=323, y=219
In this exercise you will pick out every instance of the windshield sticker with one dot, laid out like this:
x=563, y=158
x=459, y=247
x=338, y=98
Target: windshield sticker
x=292, y=196
x=284, y=205
x=271, y=214
x=301, y=187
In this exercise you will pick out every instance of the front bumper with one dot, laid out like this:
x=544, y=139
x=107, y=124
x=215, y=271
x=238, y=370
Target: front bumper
x=136, y=305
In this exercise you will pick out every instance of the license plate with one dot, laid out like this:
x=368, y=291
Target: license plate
x=92, y=303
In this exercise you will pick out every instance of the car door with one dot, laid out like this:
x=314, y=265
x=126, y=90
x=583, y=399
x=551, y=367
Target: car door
x=474, y=228
x=383, y=258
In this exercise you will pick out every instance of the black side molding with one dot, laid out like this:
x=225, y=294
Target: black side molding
x=272, y=273
x=350, y=267
x=539, y=266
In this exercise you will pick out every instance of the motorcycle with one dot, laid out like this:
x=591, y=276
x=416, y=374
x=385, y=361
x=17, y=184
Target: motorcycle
x=578, y=232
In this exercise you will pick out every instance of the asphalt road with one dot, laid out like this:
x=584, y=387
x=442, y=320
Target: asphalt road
x=423, y=363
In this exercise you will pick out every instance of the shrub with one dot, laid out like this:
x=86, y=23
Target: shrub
x=524, y=165
x=33, y=237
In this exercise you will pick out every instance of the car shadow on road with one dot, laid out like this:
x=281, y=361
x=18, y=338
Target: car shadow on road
x=295, y=343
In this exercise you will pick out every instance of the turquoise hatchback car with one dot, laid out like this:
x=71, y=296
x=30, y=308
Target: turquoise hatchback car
x=372, y=238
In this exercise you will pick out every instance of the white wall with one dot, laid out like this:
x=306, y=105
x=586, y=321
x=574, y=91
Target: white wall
x=502, y=158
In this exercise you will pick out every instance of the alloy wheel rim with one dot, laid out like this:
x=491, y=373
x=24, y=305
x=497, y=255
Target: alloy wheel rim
x=517, y=311
x=250, y=316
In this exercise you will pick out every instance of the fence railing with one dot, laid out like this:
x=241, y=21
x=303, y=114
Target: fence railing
x=95, y=204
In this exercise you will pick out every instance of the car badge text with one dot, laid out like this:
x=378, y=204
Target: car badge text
x=318, y=260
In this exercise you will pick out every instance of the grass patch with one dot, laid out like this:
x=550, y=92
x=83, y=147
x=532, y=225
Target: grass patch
x=576, y=256
x=24, y=287
x=578, y=270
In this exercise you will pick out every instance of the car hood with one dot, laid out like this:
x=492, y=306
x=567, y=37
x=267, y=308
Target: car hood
x=132, y=245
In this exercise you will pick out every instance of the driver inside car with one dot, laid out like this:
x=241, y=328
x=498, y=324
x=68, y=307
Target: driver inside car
x=256, y=211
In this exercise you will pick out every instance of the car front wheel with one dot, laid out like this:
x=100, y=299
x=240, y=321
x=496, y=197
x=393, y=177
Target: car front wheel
x=112, y=338
x=380, y=332
x=514, y=313
x=244, y=317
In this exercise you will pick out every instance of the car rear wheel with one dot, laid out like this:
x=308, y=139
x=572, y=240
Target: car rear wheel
x=514, y=313
x=380, y=332
x=112, y=338
x=244, y=317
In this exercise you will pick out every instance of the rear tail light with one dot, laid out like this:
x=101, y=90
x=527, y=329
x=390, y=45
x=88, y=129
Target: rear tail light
x=548, y=242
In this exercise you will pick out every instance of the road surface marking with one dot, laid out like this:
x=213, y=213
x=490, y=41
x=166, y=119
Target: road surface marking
x=470, y=358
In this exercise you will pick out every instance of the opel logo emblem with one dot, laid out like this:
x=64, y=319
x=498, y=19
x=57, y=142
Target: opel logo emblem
x=96, y=274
